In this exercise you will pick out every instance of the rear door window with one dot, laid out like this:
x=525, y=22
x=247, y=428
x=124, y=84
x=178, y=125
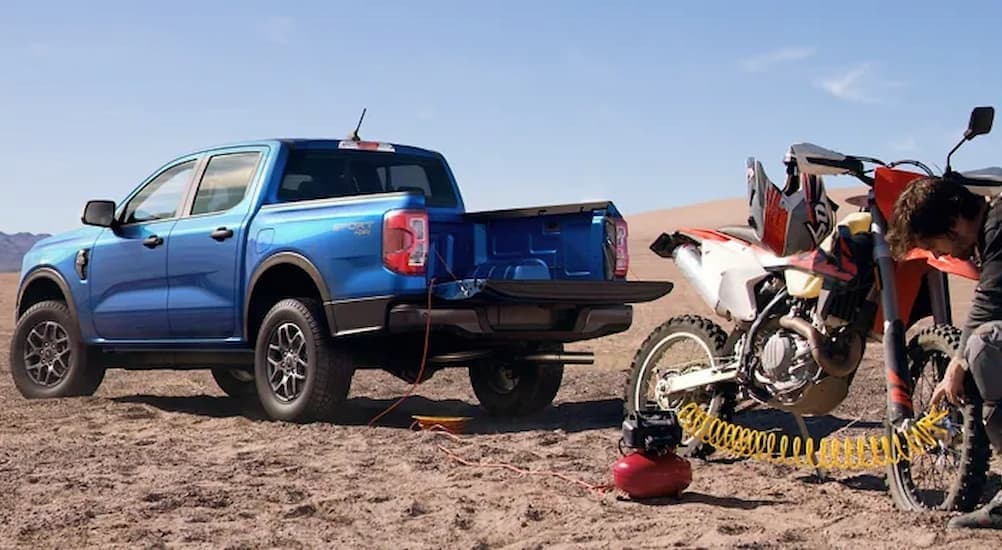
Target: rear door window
x=225, y=182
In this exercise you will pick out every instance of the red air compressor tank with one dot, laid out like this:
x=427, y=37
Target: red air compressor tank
x=648, y=475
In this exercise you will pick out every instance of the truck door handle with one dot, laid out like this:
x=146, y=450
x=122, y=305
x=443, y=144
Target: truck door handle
x=222, y=234
x=153, y=241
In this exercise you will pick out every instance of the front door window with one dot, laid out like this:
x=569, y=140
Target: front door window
x=160, y=198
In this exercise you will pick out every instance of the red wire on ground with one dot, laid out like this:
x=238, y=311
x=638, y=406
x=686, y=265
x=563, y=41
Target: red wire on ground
x=424, y=359
x=598, y=490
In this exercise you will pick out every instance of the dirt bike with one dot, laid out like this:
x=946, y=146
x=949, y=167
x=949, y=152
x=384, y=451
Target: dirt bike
x=805, y=294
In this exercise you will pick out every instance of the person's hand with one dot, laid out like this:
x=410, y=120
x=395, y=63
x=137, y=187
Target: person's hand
x=952, y=385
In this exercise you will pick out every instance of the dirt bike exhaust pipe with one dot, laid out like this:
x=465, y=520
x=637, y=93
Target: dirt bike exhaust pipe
x=829, y=364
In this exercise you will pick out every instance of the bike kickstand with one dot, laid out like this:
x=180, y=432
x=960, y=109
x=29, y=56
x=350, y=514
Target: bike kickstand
x=818, y=472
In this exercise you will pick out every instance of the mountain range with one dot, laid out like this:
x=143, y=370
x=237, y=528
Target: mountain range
x=13, y=248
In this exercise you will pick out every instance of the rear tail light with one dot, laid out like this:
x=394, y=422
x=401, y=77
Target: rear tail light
x=405, y=241
x=622, y=248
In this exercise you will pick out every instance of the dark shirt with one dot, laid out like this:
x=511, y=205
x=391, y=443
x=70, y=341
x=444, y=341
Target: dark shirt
x=987, y=303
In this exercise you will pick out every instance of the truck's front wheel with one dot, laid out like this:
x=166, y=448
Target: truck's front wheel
x=508, y=387
x=301, y=376
x=48, y=357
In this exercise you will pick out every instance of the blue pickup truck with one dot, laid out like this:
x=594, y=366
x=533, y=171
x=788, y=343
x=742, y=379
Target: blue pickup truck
x=285, y=265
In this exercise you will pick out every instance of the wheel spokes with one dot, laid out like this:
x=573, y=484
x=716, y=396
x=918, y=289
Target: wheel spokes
x=287, y=362
x=47, y=353
x=932, y=473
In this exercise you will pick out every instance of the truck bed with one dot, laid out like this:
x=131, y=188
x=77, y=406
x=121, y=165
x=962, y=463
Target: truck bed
x=569, y=242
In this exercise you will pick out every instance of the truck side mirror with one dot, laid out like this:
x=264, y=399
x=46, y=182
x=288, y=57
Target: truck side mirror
x=99, y=213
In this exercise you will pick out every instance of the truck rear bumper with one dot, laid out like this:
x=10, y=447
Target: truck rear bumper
x=555, y=311
x=514, y=322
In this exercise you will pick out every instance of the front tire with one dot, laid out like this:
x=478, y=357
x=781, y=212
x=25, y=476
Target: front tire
x=510, y=388
x=966, y=460
x=709, y=345
x=48, y=357
x=300, y=374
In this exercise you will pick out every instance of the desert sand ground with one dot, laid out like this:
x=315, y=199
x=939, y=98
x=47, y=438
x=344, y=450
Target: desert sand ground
x=163, y=459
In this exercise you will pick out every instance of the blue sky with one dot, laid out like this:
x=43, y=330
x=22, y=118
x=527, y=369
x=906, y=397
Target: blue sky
x=649, y=104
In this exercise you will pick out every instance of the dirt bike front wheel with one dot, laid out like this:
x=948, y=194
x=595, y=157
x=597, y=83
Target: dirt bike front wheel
x=680, y=345
x=951, y=477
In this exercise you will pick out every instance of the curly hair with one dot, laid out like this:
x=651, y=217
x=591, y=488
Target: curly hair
x=928, y=208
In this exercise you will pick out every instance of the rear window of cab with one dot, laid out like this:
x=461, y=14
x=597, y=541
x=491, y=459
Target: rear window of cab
x=326, y=173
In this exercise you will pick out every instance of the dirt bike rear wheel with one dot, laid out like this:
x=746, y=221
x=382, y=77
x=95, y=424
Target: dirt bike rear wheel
x=953, y=478
x=709, y=343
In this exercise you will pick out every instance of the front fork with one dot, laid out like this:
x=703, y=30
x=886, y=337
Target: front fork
x=899, y=400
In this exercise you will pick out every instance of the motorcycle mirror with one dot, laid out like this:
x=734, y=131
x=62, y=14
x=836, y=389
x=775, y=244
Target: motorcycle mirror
x=981, y=122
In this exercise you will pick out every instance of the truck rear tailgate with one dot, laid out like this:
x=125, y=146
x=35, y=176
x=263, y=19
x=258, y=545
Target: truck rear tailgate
x=554, y=292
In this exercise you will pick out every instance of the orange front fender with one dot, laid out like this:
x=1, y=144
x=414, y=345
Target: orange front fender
x=946, y=264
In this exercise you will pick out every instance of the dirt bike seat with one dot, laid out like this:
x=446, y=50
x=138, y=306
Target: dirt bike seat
x=743, y=232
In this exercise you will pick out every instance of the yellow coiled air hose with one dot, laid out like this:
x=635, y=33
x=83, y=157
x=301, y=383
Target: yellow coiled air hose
x=859, y=453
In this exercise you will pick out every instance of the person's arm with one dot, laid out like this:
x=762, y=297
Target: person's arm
x=986, y=304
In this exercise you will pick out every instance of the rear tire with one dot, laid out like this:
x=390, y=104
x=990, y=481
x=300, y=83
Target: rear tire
x=932, y=348
x=299, y=373
x=48, y=357
x=511, y=388
x=237, y=383
x=719, y=400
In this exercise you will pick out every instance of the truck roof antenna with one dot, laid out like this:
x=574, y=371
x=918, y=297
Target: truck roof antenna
x=354, y=135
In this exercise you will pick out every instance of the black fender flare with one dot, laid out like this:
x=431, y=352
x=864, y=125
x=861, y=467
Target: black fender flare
x=286, y=258
x=52, y=275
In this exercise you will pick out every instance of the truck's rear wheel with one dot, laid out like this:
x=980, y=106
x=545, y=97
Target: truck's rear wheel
x=48, y=357
x=300, y=374
x=509, y=387
x=238, y=383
